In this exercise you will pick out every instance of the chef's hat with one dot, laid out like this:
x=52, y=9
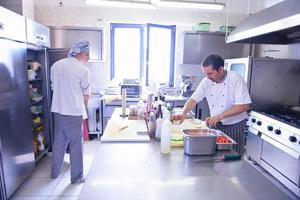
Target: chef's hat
x=79, y=47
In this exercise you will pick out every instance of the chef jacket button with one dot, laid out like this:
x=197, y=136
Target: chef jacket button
x=222, y=106
x=211, y=95
x=213, y=105
x=224, y=83
x=223, y=95
x=212, y=84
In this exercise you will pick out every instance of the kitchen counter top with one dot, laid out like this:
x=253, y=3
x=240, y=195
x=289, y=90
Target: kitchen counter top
x=123, y=171
x=167, y=98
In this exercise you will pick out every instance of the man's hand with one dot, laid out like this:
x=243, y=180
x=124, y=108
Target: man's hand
x=178, y=117
x=212, y=121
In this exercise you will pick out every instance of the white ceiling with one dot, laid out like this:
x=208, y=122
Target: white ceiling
x=234, y=6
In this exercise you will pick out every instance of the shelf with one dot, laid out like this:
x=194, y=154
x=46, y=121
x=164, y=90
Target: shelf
x=36, y=79
x=38, y=124
x=32, y=103
x=39, y=155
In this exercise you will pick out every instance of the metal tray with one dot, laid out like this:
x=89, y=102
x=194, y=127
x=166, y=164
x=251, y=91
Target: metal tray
x=199, y=141
x=225, y=146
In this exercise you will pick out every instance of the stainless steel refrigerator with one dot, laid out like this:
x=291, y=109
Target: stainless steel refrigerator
x=16, y=148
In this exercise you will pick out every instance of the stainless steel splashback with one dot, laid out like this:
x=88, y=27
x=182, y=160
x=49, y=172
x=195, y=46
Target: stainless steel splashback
x=275, y=82
x=65, y=37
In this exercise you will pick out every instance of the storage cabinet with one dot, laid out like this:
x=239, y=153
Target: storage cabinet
x=198, y=45
x=65, y=37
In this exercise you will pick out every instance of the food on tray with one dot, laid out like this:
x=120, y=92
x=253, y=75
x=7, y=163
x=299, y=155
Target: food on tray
x=223, y=139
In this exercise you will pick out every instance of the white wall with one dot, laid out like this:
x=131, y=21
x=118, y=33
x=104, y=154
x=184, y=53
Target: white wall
x=88, y=16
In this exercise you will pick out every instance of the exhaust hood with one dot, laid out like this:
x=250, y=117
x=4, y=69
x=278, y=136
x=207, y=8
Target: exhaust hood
x=278, y=24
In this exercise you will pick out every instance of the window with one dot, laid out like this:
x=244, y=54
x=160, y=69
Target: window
x=160, y=54
x=128, y=49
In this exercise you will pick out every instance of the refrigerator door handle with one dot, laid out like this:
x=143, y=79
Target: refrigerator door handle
x=1, y=26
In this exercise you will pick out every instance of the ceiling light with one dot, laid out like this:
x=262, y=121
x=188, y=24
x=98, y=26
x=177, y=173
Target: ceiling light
x=124, y=4
x=189, y=4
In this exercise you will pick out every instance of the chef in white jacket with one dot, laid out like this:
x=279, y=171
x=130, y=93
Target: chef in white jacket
x=70, y=81
x=228, y=100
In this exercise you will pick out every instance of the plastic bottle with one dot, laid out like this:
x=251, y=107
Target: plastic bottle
x=41, y=146
x=152, y=125
x=159, y=122
x=165, y=141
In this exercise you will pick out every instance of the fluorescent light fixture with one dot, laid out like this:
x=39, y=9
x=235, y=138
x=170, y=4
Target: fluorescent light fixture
x=189, y=4
x=124, y=4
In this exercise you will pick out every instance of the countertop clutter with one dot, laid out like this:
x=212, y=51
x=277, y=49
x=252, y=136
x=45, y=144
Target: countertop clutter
x=138, y=170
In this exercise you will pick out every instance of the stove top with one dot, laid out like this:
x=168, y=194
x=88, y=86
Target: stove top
x=284, y=115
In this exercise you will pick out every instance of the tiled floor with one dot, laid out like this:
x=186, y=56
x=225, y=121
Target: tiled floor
x=40, y=185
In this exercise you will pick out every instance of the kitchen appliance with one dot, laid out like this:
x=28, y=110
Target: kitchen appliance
x=186, y=85
x=132, y=86
x=273, y=141
x=266, y=27
x=260, y=73
x=16, y=149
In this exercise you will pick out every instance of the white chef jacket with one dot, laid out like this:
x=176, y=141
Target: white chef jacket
x=222, y=96
x=70, y=80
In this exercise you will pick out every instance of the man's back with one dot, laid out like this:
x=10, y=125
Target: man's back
x=68, y=78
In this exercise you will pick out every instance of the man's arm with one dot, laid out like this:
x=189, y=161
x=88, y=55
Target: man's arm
x=188, y=106
x=234, y=110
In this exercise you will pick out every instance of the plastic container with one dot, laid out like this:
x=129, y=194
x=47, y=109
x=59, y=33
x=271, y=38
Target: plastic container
x=199, y=141
x=202, y=26
x=165, y=141
x=159, y=122
x=229, y=28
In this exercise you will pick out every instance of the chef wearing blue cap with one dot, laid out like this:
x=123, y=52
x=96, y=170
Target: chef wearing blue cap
x=70, y=82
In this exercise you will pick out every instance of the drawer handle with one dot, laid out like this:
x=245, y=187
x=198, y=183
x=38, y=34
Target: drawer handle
x=39, y=37
x=1, y=26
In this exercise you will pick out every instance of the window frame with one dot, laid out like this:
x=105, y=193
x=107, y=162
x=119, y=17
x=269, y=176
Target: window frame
x=172, y=53
x=144, y=62
x=113, y=27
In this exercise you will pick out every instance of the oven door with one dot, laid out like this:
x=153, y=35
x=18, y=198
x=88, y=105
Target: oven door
x=281, y=158
x=253, y=144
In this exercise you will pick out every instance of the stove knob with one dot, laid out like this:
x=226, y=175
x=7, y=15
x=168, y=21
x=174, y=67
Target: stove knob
x=293, y=139
x=270, y=128
x=258, y=123
x=277, y=131
x=253, y=120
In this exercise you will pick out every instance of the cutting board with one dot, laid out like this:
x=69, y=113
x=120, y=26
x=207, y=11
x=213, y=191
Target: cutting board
x=120, y=129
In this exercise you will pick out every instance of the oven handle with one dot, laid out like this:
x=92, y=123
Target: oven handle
x=281, y=147
x=254, y=131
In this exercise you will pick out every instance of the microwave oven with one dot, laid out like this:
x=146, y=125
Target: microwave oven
x=242, y=66
x=132, y=90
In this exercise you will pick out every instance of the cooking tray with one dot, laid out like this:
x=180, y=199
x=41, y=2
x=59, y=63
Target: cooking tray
x=224, y=146
x=199, y=141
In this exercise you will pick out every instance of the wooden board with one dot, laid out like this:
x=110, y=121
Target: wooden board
x=120, y=129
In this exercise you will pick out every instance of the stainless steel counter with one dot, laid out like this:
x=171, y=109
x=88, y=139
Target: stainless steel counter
x=129, y=171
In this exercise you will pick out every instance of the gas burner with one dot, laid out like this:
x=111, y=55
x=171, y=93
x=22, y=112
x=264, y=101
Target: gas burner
x=287, y=116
